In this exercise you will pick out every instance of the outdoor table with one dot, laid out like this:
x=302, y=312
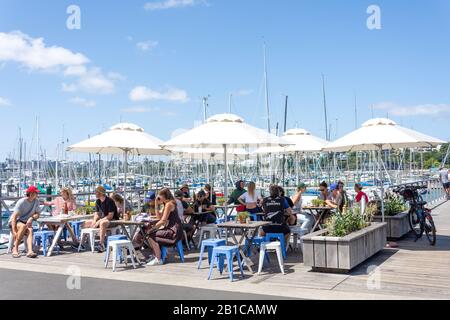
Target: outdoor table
x=318, y=213
x=62, y=221
x=249, y=232
x=134, y=226
x=227, y=210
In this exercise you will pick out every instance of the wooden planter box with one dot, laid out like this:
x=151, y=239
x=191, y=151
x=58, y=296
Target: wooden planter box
x=397, y=226
x=341, y=254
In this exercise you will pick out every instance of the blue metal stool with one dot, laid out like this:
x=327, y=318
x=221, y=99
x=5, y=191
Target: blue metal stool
x=119, y=252
x=44, y=237
x=228, y=252
x=210, y=244
x=279, y=237
x=178, y=246
x=76, y=226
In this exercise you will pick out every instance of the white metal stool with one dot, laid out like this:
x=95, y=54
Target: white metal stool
x=211, y=229
x=124, y=245
x=297, y=233
x=91, y=232
x=270, y=246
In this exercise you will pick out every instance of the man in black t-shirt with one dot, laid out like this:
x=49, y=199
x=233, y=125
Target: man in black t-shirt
x=105, y=212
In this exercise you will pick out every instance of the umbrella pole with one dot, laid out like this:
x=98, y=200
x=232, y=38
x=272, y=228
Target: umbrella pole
x=125, y=160
x=225, y=171
x=382, y=184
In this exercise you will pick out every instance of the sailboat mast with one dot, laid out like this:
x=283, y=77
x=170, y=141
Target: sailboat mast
x=37, y=150
x=325, y=108
x=266, y=90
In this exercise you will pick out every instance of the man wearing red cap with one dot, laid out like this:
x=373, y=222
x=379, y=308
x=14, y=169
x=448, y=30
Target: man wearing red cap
x=27, y=209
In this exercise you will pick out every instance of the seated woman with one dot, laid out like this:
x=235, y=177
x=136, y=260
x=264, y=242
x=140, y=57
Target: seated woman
x=210, y=194
x=118, y=200
x=251, y=199
x=335, y=199
x=275, y=207
x=64, y=203
x=304, y=218
x=202, y=204
x=167, y=231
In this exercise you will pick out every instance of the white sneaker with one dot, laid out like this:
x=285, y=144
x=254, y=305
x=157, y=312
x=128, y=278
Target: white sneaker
x=155, y=262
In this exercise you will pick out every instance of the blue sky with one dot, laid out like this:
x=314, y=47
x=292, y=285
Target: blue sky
x=149, y=62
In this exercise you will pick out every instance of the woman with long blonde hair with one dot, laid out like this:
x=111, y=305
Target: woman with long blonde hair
x=251, y=199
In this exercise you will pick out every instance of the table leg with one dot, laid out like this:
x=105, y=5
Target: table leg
x=55, y=239
x=125, y=232
x=245, y=259
x=72, y=234
x=316, y=223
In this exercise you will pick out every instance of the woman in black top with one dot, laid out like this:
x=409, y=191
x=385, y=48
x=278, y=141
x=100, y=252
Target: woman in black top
x=274, y=208
x=202, y=204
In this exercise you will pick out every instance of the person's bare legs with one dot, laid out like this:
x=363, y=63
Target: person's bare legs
x=21, y=230
x=103, y=226
x=29, y=233
x=155, y=247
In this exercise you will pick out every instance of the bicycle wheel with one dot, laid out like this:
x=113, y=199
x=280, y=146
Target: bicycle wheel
x=414, y=222
x=430, y=229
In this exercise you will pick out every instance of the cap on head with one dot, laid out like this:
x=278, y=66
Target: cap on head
x=100, y=189
x=32, y=189
x=301, y=185
x=334, y=186
x=184, y=186
x=151, y=195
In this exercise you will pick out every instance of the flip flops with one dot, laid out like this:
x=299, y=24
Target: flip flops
x=31, y=255
x=16, y=255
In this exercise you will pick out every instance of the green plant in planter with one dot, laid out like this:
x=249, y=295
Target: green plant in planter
x=393, y=205
x=318, y=202
x=242, y=216
x=341, y=225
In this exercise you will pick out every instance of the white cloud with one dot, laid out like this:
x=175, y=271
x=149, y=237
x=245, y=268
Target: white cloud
x=5, y=102
x=147, y=45
x=142, y=93
x=91, y=81
x=83, y=102
x=68, y=87
x=172, y=4
x=415, y=110
x=139, y=109
x=34, y=54
x=170, y=114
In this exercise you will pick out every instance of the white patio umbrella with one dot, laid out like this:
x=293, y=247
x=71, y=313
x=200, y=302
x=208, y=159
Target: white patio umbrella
x=123, y=138
x=382, y=134
x=225, y=131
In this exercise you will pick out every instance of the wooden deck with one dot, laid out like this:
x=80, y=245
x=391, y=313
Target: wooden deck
x=415, y=270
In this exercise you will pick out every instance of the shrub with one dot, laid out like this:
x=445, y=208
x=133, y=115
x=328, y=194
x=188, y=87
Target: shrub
x=340, y=225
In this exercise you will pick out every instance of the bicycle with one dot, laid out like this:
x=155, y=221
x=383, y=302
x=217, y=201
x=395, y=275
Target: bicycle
x=420, y=219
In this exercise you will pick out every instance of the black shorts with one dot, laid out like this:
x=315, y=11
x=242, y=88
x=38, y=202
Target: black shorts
x=446, y=185
x=277, y=228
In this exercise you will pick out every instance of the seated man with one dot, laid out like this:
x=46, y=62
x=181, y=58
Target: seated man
x=202, y=204
x=27, y=209
x=335, y=199
x=186, y=195
x=183, y=208
x=276, y=208
x=105, y=212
